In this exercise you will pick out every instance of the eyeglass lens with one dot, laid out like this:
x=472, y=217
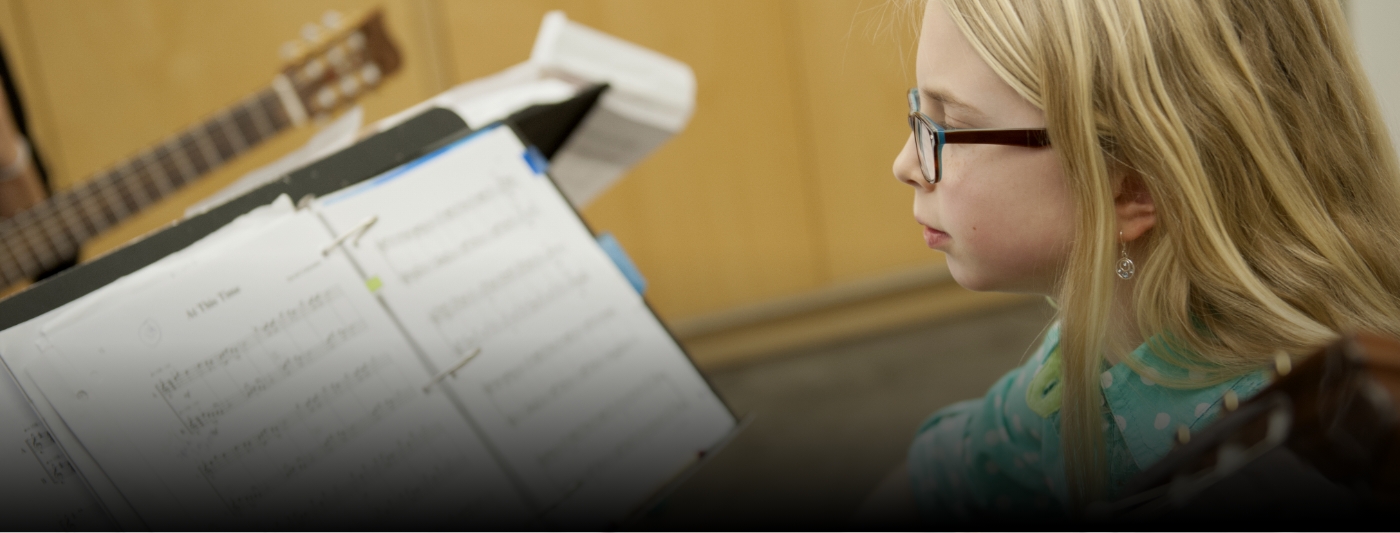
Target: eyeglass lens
x=924, y=139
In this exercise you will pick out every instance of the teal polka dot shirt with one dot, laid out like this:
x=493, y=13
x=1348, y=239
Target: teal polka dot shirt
x=999, y=456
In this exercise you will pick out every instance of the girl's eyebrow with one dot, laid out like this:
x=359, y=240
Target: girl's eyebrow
x=949, y=101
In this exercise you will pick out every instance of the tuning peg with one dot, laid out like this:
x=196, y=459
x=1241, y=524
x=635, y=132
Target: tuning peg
x=310, y=32
x=356, y=41
x=290, y=50
x=336, y=55
x=331, y=19
x=349, y=85
x=370, y=74
x=325, y=98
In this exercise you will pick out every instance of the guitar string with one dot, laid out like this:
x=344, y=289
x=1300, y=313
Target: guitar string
x=110, y=190
x=116, y=188
x=113, y=191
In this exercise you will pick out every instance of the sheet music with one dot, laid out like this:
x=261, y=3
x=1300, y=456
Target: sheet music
x=266, y=389
x=558, y=360
x=42, y=486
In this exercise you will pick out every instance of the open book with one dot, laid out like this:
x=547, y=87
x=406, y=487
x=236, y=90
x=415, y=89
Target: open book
x=442, y=346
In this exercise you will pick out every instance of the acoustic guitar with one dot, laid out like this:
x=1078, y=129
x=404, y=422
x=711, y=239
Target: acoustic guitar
x=324, y=74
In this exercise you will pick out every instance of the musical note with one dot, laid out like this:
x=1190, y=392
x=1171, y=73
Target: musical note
x=465, y=337
x=520, y=270
x=266, y=329
x=301, y=412
x=309, y=398
x=50, y=456
x=552, y=348
x=455, y=232
x=288, y=470
x=205, y=405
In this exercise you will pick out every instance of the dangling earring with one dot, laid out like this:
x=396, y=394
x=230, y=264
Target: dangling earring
x=1125, y=265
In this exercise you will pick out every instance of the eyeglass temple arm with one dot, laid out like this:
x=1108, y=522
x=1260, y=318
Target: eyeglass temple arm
x=1025, y=137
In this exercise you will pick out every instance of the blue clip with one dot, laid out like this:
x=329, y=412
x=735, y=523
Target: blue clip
x=619, y=257
x=536, y=160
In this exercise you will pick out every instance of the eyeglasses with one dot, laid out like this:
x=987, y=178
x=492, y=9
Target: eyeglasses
x=929, y=138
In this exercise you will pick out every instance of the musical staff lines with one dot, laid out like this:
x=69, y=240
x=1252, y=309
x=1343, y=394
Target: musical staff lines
x=613, y=431
x=300, y=413
x=277, y=349
x=551, y=349
x=449, y=309
x=250, y=496
x=403, y=451
x=466, y=335
x=456, y=231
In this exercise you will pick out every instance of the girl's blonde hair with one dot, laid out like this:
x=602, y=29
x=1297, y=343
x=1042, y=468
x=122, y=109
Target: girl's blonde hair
x=1256, y=133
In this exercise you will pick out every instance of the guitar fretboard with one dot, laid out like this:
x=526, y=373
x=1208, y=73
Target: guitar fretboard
x=49, y=234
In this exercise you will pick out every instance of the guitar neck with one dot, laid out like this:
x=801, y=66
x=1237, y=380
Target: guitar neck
x=49, y=235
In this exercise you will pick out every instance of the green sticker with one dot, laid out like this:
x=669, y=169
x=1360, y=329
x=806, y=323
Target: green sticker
x=1043, y=394
x=374, y=284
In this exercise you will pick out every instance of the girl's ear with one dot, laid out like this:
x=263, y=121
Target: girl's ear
x=1133, y=202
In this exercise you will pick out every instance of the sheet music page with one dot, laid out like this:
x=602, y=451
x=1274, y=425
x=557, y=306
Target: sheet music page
x=552, y=352
x=267, y=389
x=42, y=486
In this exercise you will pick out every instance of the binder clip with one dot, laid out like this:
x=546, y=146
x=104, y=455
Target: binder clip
x=452, y=371
x=357, y=232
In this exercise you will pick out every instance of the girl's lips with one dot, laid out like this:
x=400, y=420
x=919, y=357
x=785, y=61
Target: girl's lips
x=935, y=238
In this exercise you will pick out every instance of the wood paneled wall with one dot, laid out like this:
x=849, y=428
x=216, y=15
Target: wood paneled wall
x=780, y=186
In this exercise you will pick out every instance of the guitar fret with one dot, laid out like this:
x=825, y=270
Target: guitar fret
x=246, y=129
x=27, y=262
x=207, y=150
x=13, y=272
x=105, y=196
x=78, y=217
x=71, y=224
x=33, y=262
x=164, y=168
x=237, y=142
x=144, y=181
x=133, y=186
x=28, y=227
x=113, y=201
x=90, y=207
x=61, y=242
x=261, y=120
x=276, y=112
x=180, y=156
x=169, y=167
x=42, y=254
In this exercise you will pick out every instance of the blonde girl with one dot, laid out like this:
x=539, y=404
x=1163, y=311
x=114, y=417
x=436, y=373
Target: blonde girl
x=1199, y=185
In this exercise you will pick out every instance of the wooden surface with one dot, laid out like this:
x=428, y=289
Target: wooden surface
x=779, y=187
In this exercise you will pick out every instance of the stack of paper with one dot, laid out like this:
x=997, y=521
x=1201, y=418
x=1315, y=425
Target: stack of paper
x=650, y=99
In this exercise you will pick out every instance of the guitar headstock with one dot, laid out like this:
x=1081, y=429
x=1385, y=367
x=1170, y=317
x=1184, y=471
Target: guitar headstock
x=339, y=60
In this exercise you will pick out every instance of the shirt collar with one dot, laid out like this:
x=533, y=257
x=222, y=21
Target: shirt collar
x=1149, y=415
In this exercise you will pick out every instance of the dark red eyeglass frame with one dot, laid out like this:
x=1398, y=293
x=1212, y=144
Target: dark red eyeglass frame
x=929, y=142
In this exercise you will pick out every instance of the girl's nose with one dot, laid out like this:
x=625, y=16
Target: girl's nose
x=906, y=167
